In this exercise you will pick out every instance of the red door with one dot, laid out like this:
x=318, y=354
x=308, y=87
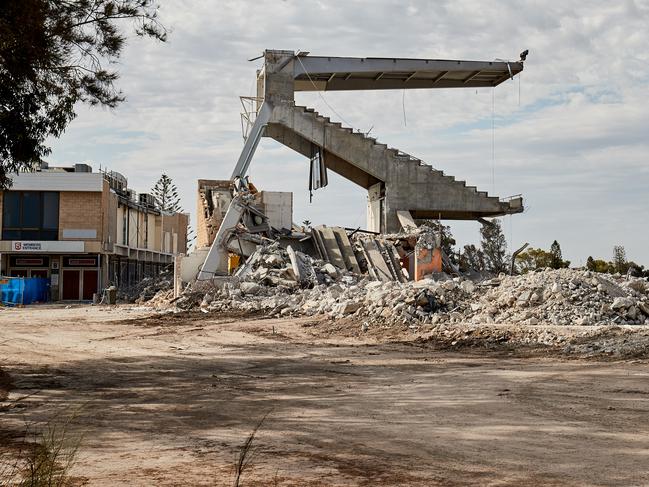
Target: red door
x=71, y=280
x=89, y=283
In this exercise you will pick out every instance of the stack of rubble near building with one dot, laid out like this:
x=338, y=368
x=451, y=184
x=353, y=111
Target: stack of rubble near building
x=239, y=232
x=550, y=297
x=402, y=278
x=381, y=280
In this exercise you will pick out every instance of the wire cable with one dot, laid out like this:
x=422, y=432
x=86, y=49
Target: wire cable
x=493, y=141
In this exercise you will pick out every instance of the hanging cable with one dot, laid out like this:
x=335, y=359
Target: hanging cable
x=493, y=140
x=403, y=106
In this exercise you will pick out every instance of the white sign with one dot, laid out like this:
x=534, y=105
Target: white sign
x=46, y=246
x=88, y=233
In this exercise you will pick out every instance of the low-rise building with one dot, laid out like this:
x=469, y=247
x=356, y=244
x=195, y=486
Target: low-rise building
x=84, y=231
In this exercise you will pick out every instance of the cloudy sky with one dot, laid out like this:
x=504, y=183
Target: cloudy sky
x=571, y=133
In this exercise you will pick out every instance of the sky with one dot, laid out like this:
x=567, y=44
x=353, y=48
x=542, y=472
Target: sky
x=571, y=133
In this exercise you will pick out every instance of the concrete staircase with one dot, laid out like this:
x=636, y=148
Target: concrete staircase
x=395, y=180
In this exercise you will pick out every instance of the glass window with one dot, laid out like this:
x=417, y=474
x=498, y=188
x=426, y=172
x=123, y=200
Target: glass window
x=50, y=211
x=31, y=213
x=11, y=209
x=11, y=235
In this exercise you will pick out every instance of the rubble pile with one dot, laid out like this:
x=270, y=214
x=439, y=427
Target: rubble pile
x=270, y=283
x=564, y=297
x=148, y=288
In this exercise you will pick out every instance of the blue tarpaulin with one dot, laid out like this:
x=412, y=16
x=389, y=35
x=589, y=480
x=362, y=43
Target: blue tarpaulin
x=23, y=290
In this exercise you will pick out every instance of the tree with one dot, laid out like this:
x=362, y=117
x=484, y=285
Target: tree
x=472, y=259
x=533, y=259
x=555, y=255
x=590, y=263
x=556, y=260
x=599, y=265
x=52, y=55
x=620, y=263
x=494, y=247
x=166, y=195
x=191, y=236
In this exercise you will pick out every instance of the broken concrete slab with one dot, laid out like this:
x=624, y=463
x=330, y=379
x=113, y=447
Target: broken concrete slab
x=406, y=220
x=330, y=244
x=346, y=249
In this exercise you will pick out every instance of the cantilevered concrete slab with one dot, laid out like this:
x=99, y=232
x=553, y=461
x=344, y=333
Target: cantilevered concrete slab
x=318, y=73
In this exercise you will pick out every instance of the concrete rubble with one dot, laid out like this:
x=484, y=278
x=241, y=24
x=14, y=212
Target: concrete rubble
x=281, y=282
x=147, y=288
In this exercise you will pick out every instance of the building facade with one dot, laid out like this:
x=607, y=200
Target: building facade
x=85, y=231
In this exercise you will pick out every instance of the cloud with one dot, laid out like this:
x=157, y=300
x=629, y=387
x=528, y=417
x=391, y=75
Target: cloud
x=570, y=135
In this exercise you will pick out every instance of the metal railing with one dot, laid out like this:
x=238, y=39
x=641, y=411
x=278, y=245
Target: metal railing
x=507, y=199
x=251, y=106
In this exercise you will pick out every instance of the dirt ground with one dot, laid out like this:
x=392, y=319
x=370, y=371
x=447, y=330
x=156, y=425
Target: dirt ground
x=168, y=400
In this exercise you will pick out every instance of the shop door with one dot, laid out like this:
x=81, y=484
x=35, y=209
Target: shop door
x=18, y=272
x=39, y=273
x=71, y=281
x=89, y=283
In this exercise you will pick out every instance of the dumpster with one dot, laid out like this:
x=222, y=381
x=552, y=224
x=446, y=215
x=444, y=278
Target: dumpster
x=24, y=290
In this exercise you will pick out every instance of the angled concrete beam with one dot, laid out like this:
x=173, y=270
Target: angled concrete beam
x=410, y=77
x=472, y=76
x=252, y=141
x=439, y=77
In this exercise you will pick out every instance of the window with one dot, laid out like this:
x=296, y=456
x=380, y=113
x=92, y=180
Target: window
x=51, y=211
x=30, y=215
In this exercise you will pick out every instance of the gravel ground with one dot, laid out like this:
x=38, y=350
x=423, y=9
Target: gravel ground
x=169, y=399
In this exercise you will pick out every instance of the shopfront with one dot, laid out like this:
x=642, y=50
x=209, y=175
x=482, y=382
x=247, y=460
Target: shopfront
x=79, y=277
x=72, y=277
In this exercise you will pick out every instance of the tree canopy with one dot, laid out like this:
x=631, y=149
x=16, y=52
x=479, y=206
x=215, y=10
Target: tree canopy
x=53, y=54
x=494, y=247
x=166, y=194
x=472, y=258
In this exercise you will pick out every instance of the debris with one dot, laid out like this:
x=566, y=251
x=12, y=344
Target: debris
x=548, y=297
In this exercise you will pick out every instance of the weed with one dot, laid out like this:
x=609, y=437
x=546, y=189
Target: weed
x=44, y=458
x=247, y=452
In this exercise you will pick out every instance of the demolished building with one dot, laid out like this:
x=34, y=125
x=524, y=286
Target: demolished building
x=234, y=218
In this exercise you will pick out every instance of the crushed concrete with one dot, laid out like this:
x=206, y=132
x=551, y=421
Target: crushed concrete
x=547, y=297
x=147, y=288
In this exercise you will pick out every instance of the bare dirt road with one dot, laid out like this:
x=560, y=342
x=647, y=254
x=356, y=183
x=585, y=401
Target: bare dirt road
x=169, y=400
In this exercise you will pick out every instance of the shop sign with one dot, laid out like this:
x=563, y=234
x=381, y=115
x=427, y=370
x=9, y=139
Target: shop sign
x=46, y=246
x=35, y=261
x=86, y=261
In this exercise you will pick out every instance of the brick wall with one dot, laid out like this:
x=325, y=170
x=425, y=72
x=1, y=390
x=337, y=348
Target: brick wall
x=207, y=225
x=80, y=211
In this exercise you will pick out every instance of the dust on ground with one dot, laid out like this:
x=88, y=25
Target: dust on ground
x=169, y=399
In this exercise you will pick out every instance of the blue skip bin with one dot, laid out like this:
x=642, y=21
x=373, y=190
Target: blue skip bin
x=23, y=290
